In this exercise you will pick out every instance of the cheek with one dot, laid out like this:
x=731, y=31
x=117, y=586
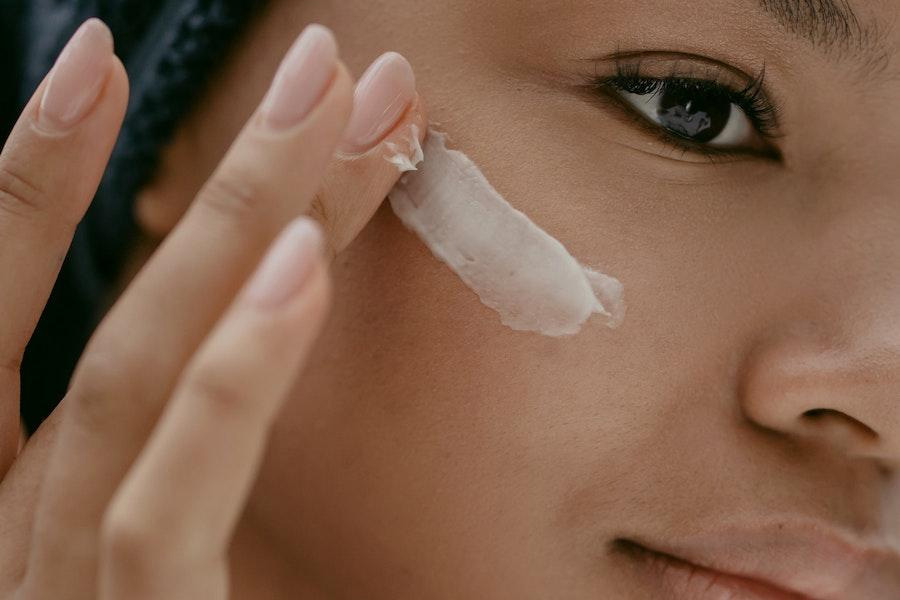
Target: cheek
x=421, y=417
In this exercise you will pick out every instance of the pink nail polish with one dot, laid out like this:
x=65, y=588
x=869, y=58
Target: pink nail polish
x=287, y=265
x=382, y=96
x=302, y=78
x=77, y=77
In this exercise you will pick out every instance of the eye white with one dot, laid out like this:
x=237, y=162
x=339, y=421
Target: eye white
x=738, y=130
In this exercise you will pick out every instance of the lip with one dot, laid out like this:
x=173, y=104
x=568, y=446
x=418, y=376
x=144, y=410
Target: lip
x=777, y=561
x=682, y=580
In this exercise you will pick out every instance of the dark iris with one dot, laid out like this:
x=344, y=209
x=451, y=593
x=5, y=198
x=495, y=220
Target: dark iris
x=693, y=112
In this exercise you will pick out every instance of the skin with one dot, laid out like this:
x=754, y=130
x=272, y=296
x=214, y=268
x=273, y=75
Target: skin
x=428, y=452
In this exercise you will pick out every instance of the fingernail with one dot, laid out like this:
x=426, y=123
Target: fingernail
x=287, y=265
x=77, y=77
x=382, y=95
x=302, y=78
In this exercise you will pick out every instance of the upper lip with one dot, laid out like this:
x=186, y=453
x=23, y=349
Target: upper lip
x=804, y=557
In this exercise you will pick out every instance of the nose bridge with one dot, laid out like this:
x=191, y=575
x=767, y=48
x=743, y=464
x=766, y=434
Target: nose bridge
x=861, y=140
x=858, y=244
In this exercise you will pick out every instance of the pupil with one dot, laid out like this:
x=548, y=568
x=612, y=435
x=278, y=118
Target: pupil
x=693, y=114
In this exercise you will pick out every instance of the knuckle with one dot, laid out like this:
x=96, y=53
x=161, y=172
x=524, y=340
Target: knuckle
x=11, y=365
x=231, y=195
x=10, y=369
x=18, y=195
x=318, y=210
x=216, y=393
x=102, y=376
x=125, y=538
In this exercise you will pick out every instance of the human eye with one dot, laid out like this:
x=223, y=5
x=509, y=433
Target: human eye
x=699, y=111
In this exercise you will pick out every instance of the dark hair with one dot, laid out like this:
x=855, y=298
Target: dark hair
x=170, y=49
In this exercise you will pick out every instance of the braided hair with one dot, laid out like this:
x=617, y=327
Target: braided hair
x=170, y=49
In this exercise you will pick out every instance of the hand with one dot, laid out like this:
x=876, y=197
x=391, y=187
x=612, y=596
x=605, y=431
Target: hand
x=133, y=486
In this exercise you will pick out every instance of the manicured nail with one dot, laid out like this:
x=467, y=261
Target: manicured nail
x=77, y=77
x=302, y=78
x=382, y=95
x=287, y=265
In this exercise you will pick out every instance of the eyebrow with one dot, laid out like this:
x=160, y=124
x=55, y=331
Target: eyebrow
x=834, y=27
x=832, y=24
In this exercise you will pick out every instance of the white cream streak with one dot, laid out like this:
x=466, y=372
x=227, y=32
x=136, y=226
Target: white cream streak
x=514, y=266
x=403, y=161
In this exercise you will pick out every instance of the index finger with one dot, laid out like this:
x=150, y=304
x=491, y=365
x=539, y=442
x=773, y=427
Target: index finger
x=50, y=168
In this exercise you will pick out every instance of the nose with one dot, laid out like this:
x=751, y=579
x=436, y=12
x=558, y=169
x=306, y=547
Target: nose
x=827, y=368
x=847, y=397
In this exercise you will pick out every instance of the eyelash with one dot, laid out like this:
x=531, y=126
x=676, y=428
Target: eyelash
x=761, y=112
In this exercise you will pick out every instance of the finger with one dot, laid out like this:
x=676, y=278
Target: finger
x=358, y=178
x=388, y=122
x=356, y=185
x=19, y=493
x=50, y=168
x=167, y=530
x=268, y=177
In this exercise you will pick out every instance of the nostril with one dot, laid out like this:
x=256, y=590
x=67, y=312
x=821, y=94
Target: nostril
x=825, y=415
x=817, y=413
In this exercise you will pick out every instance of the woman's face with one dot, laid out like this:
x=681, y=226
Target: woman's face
x=749, y=403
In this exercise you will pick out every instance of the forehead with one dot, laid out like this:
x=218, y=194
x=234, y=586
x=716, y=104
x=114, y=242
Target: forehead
x=855, y=33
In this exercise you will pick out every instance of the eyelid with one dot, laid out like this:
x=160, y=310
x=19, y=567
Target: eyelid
x=749, y=92
x=665, y=64
x=677, y=144
x=673, y=64
x=656, y=88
